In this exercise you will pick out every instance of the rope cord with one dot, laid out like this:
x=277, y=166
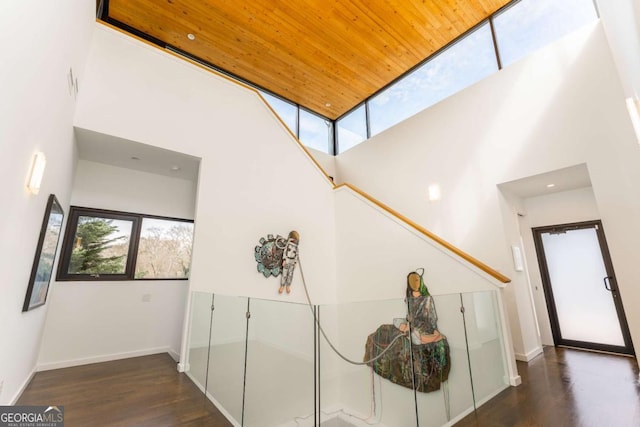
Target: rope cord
x=346, y=359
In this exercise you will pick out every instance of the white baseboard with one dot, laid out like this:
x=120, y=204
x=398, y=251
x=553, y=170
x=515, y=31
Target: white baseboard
x=22, y=387
x=174, y=355
x=515, y=381
x=98, y=359
x=184, y=367
x=353, y=418
x=530, y=355
x=479, y=403
x=491, y=396
x=217, y=404
x=223, y=411
x=459, y=417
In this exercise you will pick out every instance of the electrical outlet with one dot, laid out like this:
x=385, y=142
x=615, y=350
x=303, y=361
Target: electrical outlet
x=146, y=298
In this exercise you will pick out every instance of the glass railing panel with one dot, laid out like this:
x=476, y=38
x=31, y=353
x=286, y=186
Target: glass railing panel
x=486, y=348
x=227, y=350
x=199, y=326
x=453, y=397
x=354, y=394
x=330, y=365
x=280, y=364
x=280, y=385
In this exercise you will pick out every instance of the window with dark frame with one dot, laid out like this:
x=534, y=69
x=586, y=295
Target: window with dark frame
x=102, y=245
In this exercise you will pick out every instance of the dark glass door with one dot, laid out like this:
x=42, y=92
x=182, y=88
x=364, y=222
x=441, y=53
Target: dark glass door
x=582, y=295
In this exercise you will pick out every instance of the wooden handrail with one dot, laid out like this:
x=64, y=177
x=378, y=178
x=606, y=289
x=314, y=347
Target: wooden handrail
x=459, y=252
x=300, y=144
x=477, y=263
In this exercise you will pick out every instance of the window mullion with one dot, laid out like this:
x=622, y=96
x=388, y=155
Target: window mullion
x=133, y=248
x=495, y=43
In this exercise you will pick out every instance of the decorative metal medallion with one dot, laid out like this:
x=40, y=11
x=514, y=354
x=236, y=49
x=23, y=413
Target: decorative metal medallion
x=269, y=253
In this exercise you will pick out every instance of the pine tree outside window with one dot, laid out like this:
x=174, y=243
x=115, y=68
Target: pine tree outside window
x=101, y=246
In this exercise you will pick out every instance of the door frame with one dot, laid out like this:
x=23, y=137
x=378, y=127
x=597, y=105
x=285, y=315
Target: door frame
x=548, y=291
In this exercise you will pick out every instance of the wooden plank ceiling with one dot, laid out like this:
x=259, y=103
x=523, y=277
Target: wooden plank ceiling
x=326, y=55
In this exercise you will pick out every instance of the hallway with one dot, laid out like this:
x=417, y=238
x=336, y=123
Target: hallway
x=566, y=387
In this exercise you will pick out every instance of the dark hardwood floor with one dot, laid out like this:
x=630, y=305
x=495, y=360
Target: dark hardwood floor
x=566, y=387
x=142, y=391
x=563, y=387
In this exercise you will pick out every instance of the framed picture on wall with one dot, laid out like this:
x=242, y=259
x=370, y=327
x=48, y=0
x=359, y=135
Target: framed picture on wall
x=45, y=255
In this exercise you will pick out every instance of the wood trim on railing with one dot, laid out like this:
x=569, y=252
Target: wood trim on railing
x=295, y=138
x=479, y=264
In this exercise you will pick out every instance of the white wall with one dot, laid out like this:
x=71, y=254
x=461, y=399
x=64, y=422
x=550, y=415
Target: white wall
x=561, y=106
x=377, y=251
x=326, y=161
x=254, y=178
x=102, y=186
x=95, y=321
x=557, y=208
x=561, y=208
x=621, y=21
x=520, y=309
x=40, y=41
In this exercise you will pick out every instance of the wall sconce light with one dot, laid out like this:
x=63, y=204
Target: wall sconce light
x=434, y=192
x=36, y=173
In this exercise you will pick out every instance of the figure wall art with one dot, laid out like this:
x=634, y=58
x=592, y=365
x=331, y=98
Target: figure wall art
x=412, y=342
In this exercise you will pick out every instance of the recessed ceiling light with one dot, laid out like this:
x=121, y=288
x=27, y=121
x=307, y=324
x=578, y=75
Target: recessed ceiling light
x=328, y=104
x=175, y=168
x=135, y=158
x=191, y=36
x=550, y=185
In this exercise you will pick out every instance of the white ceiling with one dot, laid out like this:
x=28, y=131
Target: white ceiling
x=110, y=150
x=565, y=179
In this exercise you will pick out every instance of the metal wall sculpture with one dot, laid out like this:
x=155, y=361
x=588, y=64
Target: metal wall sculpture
x=278, y=256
